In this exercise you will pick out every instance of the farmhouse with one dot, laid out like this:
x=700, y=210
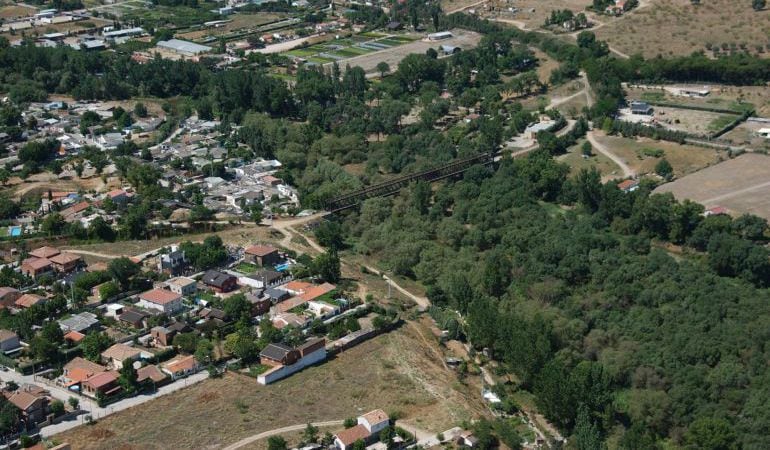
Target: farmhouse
x=367, y=430
x=628, y=185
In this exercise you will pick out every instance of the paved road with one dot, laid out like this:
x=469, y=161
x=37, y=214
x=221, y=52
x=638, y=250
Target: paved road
x=627, y=171
x=90, y=406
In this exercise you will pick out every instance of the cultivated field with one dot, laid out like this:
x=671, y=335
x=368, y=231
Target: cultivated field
x=639, y=154
x=350, y=47
x=742, y=185
x=734, y=98
x=401, y=372
x=676, y=27
x=393, y=56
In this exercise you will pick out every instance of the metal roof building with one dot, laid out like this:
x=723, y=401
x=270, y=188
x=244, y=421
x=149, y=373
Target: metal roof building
x=183, y=47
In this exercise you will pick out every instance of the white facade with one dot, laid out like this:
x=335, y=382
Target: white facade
x=182, y=285
x=168, y=308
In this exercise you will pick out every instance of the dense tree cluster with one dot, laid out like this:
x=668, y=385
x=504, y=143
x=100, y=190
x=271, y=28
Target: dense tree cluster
x=581, y=302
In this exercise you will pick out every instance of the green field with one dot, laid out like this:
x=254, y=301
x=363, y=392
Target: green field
x=347, y=48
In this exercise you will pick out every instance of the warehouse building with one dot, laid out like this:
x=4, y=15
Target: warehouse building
x=184, y=48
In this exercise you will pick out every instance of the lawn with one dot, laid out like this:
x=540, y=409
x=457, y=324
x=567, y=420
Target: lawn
x=401, y=372
x=246, y=268
x=721, y=122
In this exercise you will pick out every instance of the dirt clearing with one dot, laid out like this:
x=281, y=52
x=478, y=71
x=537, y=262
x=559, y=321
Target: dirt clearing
x=677, y=27
x=642, y=155
x=399, y=372
x=742, y=185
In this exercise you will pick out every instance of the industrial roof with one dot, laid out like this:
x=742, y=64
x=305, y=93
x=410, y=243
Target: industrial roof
x=184, y=46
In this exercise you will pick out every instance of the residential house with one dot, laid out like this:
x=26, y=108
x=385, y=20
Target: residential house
x=367, y=430
x=151, y=373
x=9, y=341
x=296, y=287
x=282, y=320
x=8, y=296
x=219, y=281
x=119, y=354
x=66, y=262
x=172, y=263
x=323, y=310
x=264, y=279
x=74, y=337
x=259, y=304
x=276, y=295
x=104, y=383
x=29, y=300
x=628, y=185
x=44, y=252
x=80, y=322
x=162, y=336
x=77, y=371
x=33, y=407
x=264, y=255
x=182, y=285
x=181, y=366
x=309, y=294
x=133, y=318
x=36, y=267
x=374, y=421
x=278, y=355
x=161, y=300
x=345, y=439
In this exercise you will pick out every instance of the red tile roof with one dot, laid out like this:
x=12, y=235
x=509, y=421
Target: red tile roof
x=102, y=379
x=159, y=296
x=65, y=258
x=317, y=291
x=351, y=435
x=28, y=300
x=44, y=252
x=74, y=336
x=37, y=263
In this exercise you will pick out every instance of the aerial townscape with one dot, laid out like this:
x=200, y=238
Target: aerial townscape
x=385, y=224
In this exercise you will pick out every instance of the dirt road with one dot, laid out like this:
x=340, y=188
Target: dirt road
x=283, y=430
x=627, y=171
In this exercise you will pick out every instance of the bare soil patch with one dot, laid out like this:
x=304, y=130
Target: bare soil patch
x=399, y=372
x=676, y=27
x=742, y=185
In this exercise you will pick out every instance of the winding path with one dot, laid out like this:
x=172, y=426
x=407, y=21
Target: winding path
x=627, y=171
x=277, y=431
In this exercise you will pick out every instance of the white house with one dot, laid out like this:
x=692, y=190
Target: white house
x=182, y=285
x=161, y=300
x=374, y=421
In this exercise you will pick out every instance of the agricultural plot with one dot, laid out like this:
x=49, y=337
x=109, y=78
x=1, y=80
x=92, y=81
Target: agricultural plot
x=741, y=185
x=351, y=47
x=395, y=48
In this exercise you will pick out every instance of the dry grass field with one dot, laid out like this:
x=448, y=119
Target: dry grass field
x=401, y=372
x=15, y=11
x=740, y=184
x=237, y=22
x=574, y=159
x=532, y=13
x=676, y=27
x=685, y=159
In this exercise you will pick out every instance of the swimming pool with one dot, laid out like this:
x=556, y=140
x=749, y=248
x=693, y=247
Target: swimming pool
x=282, y=267
x=14, y=231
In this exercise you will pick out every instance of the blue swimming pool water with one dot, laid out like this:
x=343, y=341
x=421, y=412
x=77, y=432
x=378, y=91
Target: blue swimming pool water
x=15, y=231
x=281, y=267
